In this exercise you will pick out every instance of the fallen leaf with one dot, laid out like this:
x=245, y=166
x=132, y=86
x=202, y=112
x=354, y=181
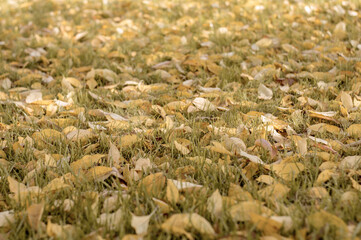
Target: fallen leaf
x=172, y=194
x=203, y=104
x=321, y=219
x=153, y=184
x=178, y=223
x=181, y=148
x=6, y=218
x=274, y=191
x=354, y=130
x=288, y=171
x=242, y=211
x=35, y=212
x=141, y=223
x=215, y=204
x=86, y=162
x=264, y=93
x=266, y=225
x=113, y=155
x=111, y=221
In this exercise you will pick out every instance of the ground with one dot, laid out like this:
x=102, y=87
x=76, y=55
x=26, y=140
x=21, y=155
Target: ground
x=180, y=119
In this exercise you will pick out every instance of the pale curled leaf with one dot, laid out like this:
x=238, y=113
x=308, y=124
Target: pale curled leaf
x=203, y=104
x=264, y=92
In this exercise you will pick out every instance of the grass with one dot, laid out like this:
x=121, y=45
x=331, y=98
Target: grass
x=131, y=39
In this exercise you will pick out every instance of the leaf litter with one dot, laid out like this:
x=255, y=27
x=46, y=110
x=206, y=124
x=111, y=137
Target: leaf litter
x=202, y=119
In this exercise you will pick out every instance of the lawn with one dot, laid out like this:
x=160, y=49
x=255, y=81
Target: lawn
x=129, y=119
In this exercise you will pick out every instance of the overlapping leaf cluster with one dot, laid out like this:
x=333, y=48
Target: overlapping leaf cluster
x=196, y=119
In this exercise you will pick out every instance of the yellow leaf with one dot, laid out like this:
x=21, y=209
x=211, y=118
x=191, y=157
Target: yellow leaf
x=163, y=207
x=56, y=184
x=118, y=125
x=324, y=176
x=178, y=223
x=242, y=211
x=340, y=31
x=264, y=42
x=219, y=148
x=349, y=198
x=15, y=186
x=346, y=100
x=322, y=127
x=288, y=171
x=267, y=179
x=59, y=231
x=113, y=155
x=322, y=218
x=238, y=193
x=172, y=194
x=47, y=136
x=81, y=135
x=181, y=148
x=100, y=173
x=275, y=191
x=355, y=184
x=86, y=162
x=318, y=192
x=354, y=130
x=266, y=225
x=127, y=141
x=215, y=204
x=153, y=184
